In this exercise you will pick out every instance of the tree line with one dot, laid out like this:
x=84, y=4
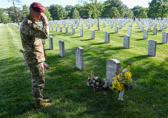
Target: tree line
x=90, y=9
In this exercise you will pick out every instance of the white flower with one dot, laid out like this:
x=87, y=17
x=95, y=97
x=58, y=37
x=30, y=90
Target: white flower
x=88, y=84
x=97, y=83
x=96, y=78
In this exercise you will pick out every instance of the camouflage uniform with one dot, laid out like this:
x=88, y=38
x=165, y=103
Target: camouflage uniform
x=31, y=36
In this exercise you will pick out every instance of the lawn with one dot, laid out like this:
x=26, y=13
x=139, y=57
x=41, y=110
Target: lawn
x=66, y=86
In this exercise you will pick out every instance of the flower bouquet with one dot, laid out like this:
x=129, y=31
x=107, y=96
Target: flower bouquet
x=93, y=81
x=122, y=82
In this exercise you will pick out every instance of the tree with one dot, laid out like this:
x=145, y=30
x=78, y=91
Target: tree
x=136, y=10
x=69, y=9
x=24, y=12
x=75, y=14
x=81, y=9
x=114, y=3
x=57, y=12
x=96, y=9
x=163, y=8
x=114, y=13
x=154, y=6
x=129, y=14
x=158, y=8
x=4, y=18
x=47, y=13
x=11, y=13
x=142, y=13
x=16, y=13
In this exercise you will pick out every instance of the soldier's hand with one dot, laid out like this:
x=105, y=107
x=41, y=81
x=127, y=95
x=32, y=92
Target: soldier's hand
x=44, y=18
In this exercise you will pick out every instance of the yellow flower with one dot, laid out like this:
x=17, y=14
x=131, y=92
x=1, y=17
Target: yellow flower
x=128, y=75
x=117, y=85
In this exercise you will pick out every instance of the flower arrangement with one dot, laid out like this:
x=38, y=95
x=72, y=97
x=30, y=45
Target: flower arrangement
x=93, y=81
x=123, y=81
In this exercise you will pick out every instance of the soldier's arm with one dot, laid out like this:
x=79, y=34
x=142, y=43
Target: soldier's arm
x=38, y=31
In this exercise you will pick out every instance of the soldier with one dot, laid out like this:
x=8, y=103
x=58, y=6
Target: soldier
x=31, y=37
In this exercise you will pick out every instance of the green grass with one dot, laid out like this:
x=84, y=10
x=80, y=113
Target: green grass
x=66, y=86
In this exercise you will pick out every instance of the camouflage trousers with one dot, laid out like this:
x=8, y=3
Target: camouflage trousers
x=38, y=79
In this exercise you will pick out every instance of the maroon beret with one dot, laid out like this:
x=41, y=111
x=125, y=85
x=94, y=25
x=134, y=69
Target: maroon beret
x=37, y=7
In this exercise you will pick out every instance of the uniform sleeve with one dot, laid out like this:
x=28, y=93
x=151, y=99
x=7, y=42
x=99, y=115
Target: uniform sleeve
x=38, y=31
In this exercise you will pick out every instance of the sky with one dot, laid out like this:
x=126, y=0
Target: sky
x=129, y=3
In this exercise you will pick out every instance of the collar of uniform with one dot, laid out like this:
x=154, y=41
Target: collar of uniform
x=28, y=17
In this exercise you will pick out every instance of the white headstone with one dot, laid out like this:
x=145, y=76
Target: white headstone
x=141, y=29
x=81, y=33
x=107, y=37
x=61, y=48
x=116, y=29
x=112, y=67
x=126, y=41
x=129, y=31
x=145, y=34
x=155, y=31
x=51, y=43
x=60, y=29
x=43, y=41
x=92, y=35
x=152, y=48
x=66, y=30
x=73, y=31
x=164, y=37
x=79, y=58
x=56, y=29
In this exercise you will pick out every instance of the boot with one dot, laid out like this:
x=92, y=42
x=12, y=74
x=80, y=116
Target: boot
x=40, y=103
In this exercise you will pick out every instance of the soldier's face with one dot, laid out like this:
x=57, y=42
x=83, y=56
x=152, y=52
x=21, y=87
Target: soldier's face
x=36, y=16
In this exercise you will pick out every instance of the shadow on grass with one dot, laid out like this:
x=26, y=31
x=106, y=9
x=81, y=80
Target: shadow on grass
x=113, y=33
x=85, y=39
x=76, y=37
x=140, y=39
x=72, y=85
x=66, y=86
x=15, y=90
x=62, y=34
x=97, y=43
x=160, y=43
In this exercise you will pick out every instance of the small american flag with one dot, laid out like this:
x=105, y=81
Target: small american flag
x=46, y=66
x=92, y=74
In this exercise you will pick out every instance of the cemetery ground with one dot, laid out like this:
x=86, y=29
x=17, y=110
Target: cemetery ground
x=66, y=86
